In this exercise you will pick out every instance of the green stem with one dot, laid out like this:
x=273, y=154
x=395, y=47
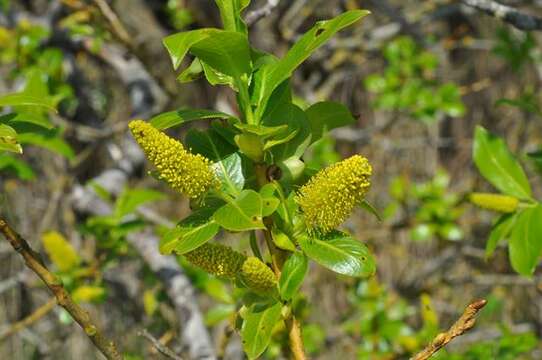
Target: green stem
x=254, y=245
x=242, y=85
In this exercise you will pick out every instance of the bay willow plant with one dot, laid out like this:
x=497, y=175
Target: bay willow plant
x=245, y=174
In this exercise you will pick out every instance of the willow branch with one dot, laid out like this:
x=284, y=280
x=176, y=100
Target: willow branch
x=507, y=14
x=462, y=325
x=29, y=320
x=164, y=350
x=255, y=15
x=33, y=261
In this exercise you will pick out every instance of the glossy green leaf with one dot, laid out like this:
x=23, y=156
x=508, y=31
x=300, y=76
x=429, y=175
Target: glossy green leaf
x=178, y=117
x=9, y=140
x=525, y=245
x=191, y=73
x=179, y=44
x=226, y=51
x=230, y=173
x=274, y=74
x=326, y=115
x=498, y=165
x=243, y=213
x=209, y=144
x=292, y=275
x=22, y=99
x=269, y=205
x=281, y=240
x=257, y=329
x=190, y=233
x=130, y=199
x=501, y=229
x=339, y=252
x=297, y=121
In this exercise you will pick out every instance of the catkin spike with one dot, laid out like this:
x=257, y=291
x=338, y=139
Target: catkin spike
x=190, y=174
x=217, y=259
x=329, y=197
x=495, y=202
x=258, y=276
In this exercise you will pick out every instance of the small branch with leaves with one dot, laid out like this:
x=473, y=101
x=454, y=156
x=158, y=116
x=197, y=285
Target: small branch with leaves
x=33, y=261
x=461, y=326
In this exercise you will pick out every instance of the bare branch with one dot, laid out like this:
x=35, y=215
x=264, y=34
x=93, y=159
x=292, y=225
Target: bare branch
x=255, y=15
x=462, y=325
x=33, y=261
x=508, y=14
x=29, y=320
x=164, y=350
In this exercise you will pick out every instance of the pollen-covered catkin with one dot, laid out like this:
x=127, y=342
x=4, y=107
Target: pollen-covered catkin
x=329, y=197
x=217, y=259
x=257, y=275
x=190, y=174
x=495, y=202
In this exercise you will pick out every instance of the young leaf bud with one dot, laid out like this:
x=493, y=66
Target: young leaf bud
x=495, y=202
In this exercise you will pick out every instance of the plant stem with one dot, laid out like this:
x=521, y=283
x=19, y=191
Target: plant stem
x=296, y=341
x=33, y=261
x=30, y=319
x=278, y=257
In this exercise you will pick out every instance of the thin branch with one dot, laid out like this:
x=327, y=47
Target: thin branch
x=164, y=350
x=29, y=320
x=508, y=14
x=462, y=325
x=255, y=15
x=116, y=26
x=33, y=261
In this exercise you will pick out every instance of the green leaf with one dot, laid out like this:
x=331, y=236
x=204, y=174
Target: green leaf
x=178, y=117
x=243, y=213
x=209, y=144
x=499, y=166
x=299, y=125
x=191, y=73
x=21, y=99
x=218, y=313
x=16, y=166
x=60, y=251
x=269, y=205
x=48, y=139
x=339, y=252
x=501, y=229
x=292, y=275
x=274, y=74
x=179, y=44
x=370, y=208
x=131, y=199
x=9, y=140
x=257, y=329
x=525, y=245
x=230, y=13
x=282, y=240
x=26, y=117
x=230, y=173
x=326, y=115
x=226, y=51
x=192, y=232
x=88, y=293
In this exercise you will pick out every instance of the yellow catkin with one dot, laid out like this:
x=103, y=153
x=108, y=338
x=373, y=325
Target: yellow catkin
x=187, y=173
x=258, y=276
x=495, y=202
x=217, y=259
x=329, y=197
